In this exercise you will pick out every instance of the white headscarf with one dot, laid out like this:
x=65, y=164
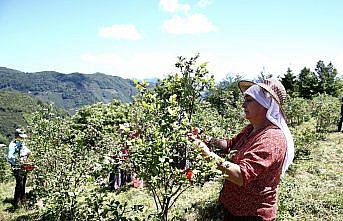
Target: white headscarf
x=275, y=116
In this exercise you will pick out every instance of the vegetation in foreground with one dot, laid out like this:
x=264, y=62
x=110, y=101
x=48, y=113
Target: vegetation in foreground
x=312, y=190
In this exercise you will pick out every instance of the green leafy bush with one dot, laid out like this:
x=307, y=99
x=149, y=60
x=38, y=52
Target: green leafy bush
x=162, y=154
x=70, y=154
x=305, y=136
x=5, y=169
x=326, y=111
x=297, y=110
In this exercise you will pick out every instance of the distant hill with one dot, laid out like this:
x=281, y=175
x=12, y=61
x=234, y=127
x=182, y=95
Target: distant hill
x=68, y=91
x=15, y=109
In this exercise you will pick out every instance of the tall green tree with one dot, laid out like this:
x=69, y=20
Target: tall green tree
x=308, y=83
x=225, y=94
x=289, y=81
x=326, y=75
x=162, y=155
x=231, y=83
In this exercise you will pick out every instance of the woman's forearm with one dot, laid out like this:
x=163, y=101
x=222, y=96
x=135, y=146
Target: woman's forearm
x=231, y=171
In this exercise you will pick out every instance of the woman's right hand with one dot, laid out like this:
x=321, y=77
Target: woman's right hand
x=194, y=134
x=195, y=138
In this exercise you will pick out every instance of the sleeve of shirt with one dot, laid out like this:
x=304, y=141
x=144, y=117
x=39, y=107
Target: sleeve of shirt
x=260, y=157
x=10, y=155
x=25, y=150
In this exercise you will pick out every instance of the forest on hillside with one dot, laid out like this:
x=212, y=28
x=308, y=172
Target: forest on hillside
x=68, y=91
x=15, y=110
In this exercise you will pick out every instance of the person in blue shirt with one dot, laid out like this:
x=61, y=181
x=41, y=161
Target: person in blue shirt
x=18, y=154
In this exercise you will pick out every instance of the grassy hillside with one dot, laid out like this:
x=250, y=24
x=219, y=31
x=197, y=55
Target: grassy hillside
x=15, y=109
x=312, y=190
x=68, y=91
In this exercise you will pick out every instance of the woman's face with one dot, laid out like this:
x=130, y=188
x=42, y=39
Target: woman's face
x=254, y=111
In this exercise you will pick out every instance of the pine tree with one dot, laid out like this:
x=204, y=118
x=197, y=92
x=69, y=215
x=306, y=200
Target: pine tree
x=308, y=83
x=326, y=78
x=289, y=81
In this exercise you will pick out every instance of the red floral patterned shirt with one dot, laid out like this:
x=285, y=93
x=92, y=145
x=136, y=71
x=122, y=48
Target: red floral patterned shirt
x=260, y=157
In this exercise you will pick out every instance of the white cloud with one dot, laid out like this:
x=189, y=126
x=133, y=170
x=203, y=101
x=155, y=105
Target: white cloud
x=120, y=32
x=196, y=23
x=204, y=3
x=173, y=6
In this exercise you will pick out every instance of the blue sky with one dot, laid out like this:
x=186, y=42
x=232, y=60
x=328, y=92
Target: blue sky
x=142, y=38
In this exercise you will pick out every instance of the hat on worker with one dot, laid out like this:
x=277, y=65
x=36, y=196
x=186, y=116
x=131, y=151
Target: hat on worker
x=19, y=132
x=271, y=85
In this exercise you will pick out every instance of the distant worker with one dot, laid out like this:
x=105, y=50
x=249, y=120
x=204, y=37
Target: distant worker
x=18, y=154
x=341, y=120
x=119, y=177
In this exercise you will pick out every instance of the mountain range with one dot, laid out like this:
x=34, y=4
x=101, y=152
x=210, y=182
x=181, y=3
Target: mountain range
x=23, y=93
x=68, y=91
x=15, y=112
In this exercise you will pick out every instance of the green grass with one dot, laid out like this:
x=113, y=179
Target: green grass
x=190, y=206
x=5, y=193
x=312, y=190
x=7, y=211
x=315, y=191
